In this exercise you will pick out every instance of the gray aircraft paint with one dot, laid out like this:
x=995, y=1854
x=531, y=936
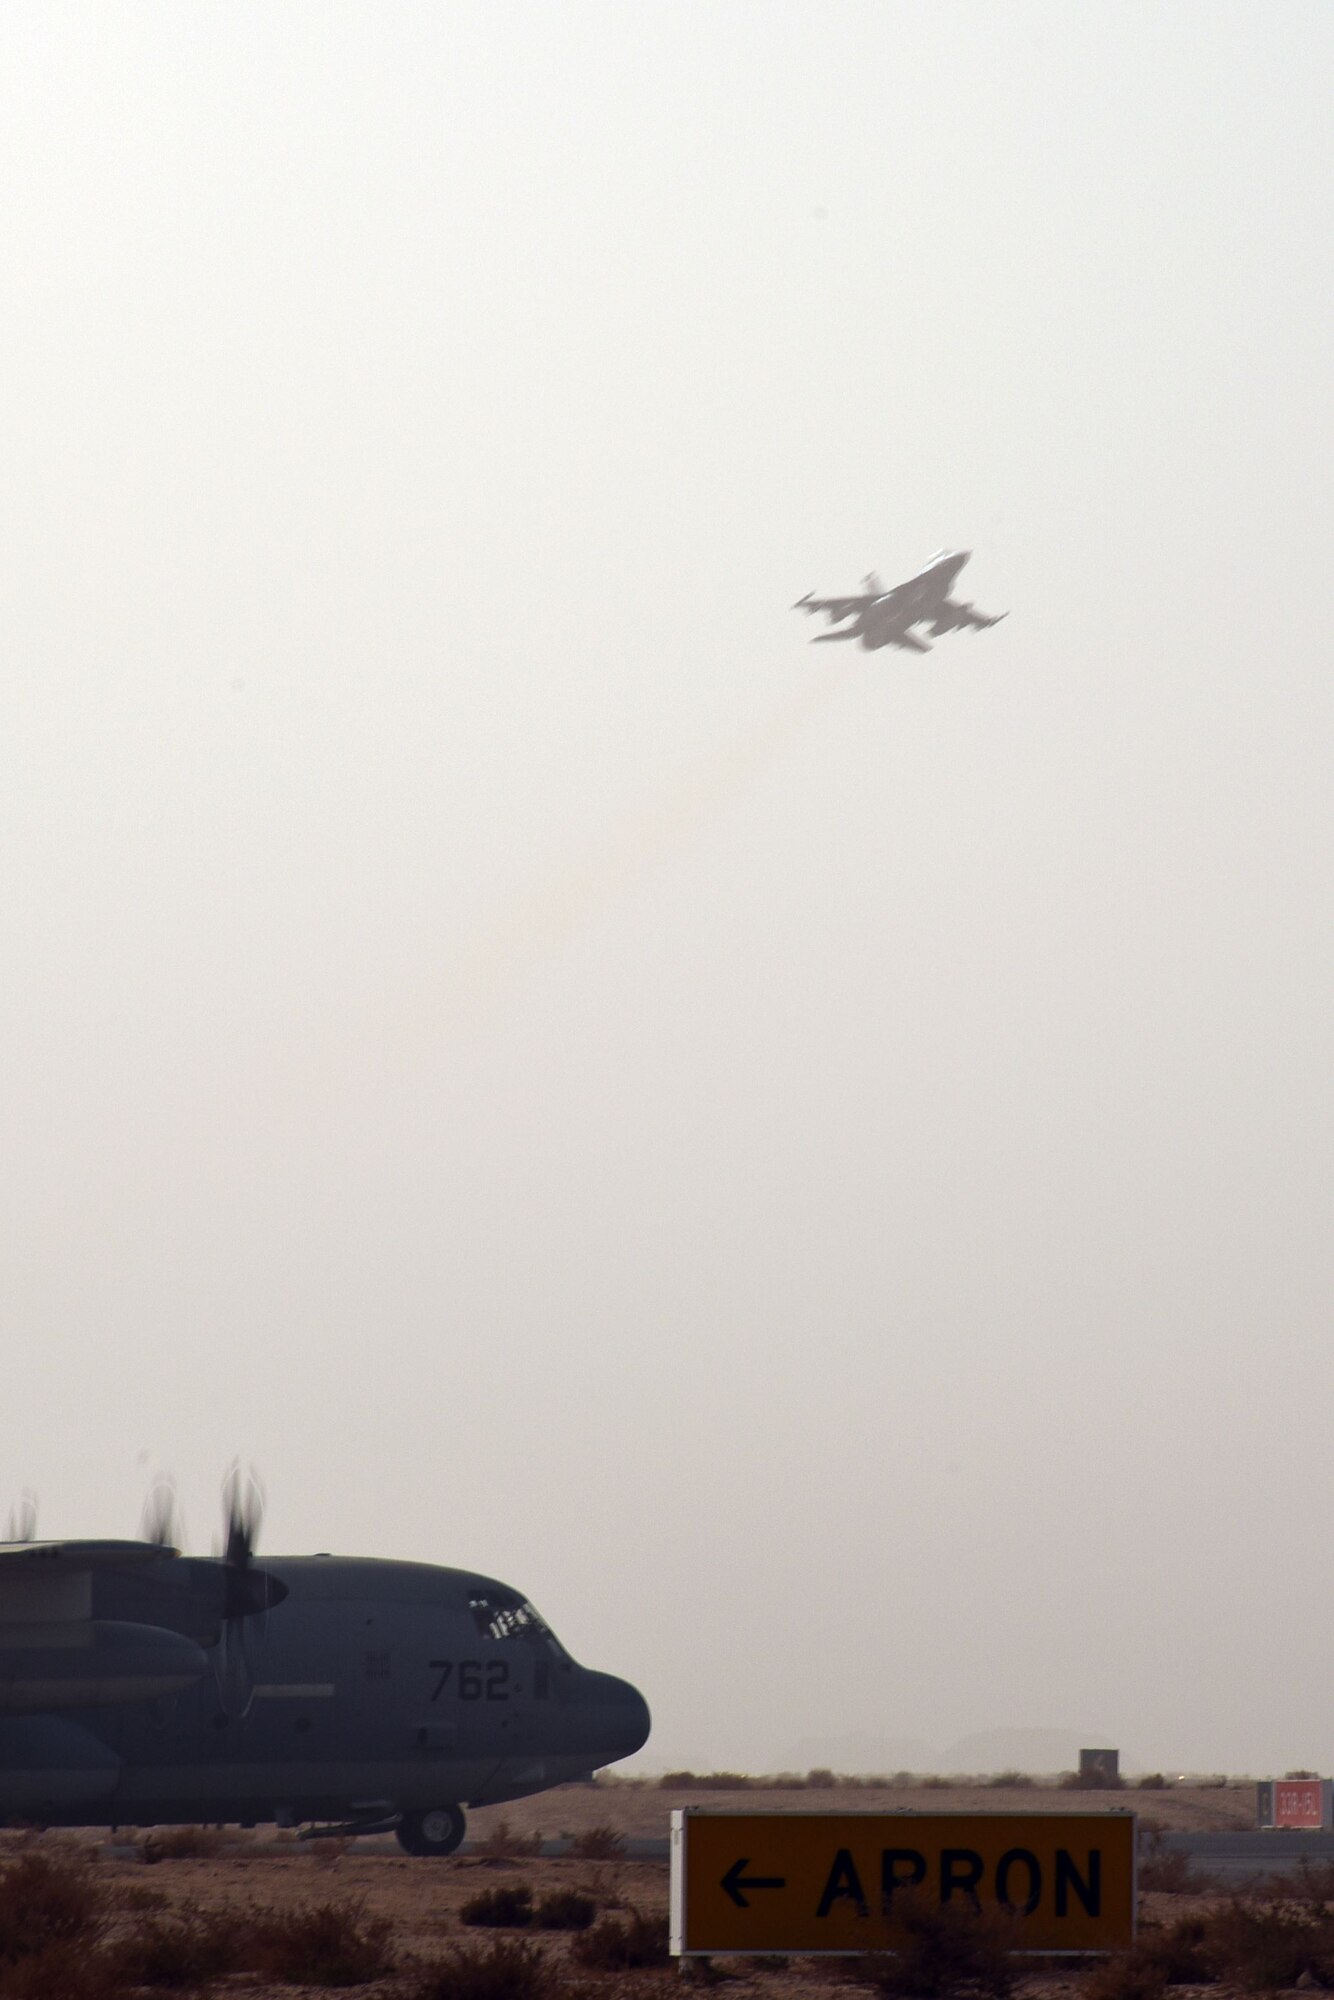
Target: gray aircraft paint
x=372, y=1688
x=878, y=617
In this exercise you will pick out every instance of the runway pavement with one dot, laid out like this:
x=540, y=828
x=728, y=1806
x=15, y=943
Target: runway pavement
x=1240, y=1857
x=1231, y=1858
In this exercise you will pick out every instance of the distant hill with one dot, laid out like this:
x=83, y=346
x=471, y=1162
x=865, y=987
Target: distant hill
x=862, y=1754
x=859, y=1754
x=1036, y=1750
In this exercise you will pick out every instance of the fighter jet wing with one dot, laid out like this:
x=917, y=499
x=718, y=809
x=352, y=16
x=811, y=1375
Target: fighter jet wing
x=834, y=608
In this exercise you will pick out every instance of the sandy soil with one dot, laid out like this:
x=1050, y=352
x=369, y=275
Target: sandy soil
x=645, y=1809
x=422, y=1899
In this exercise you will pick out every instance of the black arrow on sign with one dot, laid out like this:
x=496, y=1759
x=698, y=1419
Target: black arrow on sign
x=734, y=1882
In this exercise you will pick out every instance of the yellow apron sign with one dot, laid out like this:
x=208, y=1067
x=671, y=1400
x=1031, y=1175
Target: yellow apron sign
x=827, y=1882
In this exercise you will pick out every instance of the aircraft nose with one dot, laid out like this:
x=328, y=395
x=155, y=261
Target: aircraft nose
x=623, y=1714
x=638, y=1721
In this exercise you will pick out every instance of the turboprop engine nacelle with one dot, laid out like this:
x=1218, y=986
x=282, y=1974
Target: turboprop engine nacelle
x=92, y=1663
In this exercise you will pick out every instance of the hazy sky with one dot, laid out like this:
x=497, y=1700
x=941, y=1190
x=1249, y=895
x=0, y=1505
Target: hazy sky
x=816, y=1167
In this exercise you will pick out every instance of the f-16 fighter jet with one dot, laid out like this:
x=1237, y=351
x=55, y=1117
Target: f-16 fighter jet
x=881, y=617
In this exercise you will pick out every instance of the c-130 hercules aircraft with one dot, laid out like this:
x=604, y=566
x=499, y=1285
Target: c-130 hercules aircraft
x=883, y=617
x=141, y=1687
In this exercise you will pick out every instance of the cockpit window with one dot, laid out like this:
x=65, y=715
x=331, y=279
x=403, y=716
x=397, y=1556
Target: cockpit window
x=503, y=1614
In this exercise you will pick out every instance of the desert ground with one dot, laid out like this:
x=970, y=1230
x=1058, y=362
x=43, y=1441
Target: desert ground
x=638, y=1809
x=156, y=1886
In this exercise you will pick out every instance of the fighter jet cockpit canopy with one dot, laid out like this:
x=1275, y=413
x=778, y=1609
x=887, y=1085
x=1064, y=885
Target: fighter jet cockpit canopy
x=499, y=1613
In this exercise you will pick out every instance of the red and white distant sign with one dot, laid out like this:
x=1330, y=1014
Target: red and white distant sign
x=1302, y=1802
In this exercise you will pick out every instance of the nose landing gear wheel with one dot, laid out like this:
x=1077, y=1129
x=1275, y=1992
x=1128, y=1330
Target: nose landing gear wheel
x=438, y=1830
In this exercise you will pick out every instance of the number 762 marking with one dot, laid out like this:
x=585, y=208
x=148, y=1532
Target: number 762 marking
x=478, y=1680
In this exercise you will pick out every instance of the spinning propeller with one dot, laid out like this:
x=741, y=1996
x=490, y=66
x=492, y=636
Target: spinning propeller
x=238, y=1593
x=23, y=1518
x=161, y=1520
x=247, y=1591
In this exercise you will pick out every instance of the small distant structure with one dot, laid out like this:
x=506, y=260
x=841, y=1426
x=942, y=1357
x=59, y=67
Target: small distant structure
x=1305, y=1803
x=1100, y=1767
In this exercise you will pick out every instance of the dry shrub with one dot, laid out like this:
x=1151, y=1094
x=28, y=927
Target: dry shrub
x=705, y=1781
x=1162, y=1955
x=947, y=1949
x=177, y=1952
x=506, y=1843
x=623, y=1944
x=1258, y=1946
x=324, y=1944
x=1264, y=1945
x=137, y=1896
x=1152, y=1781
x=1010, y=1780
x=1163, y=1869
x=604, y=1885
x=503, y=1969
x=1129, y=1975
x=61, y=1972
x=52, y=1920
x=49, y=1899
x=328, y=1849
x=819, y=1780
x=1169, y=1873
x=509, y=1907
x=565, y=1910
x=597, y=1843
x=1092, y=1781
x=182, y=1843
x=1311, y=1884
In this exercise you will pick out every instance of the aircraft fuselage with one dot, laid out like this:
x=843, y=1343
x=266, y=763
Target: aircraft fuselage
x=371, y=1688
